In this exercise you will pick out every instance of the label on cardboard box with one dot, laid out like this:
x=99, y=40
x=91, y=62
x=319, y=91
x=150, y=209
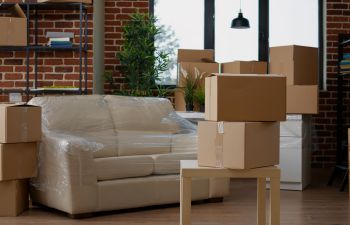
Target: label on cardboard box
x=20, y=123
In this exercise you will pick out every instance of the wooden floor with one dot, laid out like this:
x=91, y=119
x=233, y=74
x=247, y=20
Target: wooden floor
x=318, y=205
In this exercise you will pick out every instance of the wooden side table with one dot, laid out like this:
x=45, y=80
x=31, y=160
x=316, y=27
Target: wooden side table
x=190, y=169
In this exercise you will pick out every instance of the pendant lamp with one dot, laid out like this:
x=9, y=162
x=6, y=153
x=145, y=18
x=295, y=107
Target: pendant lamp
x=240, y=22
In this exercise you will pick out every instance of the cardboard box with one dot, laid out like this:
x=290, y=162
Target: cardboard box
x=14, y=197
x=19, y=123
x=18, y=161
x=250, y=98
x=302, y=99
x=238, y=145
x=14, y=28
x=298, y=63
x=83, y=1
x=194, y=55
x=244, y=67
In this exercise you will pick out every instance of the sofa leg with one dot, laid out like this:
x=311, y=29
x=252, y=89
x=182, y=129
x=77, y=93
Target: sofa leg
x=81, y=216
x=215, y=200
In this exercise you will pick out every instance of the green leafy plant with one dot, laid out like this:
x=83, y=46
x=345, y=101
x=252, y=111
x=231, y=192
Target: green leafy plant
x=141, y=61
x=199, y=95
x=190, y=83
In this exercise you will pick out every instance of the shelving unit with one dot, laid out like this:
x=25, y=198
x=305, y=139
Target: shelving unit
x=81, y=47
x=341, y=167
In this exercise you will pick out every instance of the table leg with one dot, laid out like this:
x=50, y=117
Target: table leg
x=185, y=201
x=275, y=201
x=261, y=197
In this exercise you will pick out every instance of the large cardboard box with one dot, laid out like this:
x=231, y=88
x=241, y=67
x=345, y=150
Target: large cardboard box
x=238, y=145
x=14, y=29
x=194, y=55
x=235, y=97
x=18, y=161
x=298, y=63
x=14, y=197
x=244, y=67
x=19, y=123
x=302, y=99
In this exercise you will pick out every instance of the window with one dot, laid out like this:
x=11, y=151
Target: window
x=236, y=44
x=294, y=22
x=183, y=23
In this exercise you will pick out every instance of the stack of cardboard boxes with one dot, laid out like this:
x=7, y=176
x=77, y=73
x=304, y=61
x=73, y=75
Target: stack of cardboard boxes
x=242, y=115
x=300, y=65
x=20, y=130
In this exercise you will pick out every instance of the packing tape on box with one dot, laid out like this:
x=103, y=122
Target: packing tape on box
x=219, y=141
x=24, y=123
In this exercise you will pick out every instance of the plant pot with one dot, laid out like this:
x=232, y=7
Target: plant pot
x=201, y=108
x=189, y=107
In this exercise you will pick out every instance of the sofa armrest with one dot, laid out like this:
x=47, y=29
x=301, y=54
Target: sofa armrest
x=67, y=177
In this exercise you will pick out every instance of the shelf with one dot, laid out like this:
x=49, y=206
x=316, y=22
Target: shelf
x=47, y=6
x=40, y=48
x=55, y=91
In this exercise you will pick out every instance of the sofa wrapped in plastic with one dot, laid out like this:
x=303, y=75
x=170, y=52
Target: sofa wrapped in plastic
x=104, y=153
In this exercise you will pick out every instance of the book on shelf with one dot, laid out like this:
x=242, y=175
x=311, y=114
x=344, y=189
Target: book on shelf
x=60, y=39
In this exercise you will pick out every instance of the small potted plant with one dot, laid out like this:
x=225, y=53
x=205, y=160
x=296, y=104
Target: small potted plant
x=190, y=83
x=199, y=97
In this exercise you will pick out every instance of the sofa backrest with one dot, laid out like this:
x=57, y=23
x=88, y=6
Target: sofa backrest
x=142, y=113
x=74, y=113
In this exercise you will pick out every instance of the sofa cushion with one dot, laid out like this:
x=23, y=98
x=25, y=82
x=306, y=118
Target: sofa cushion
x=142, y=113
x=184, y=142
x=105, y=138
x=123, y=167
x=75, y=113
x=170, y=163
x=143, y=142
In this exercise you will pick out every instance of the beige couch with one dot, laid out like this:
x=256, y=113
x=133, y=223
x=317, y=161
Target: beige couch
x=102, y=153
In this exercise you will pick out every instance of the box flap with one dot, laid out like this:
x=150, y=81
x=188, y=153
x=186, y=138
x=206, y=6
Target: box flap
x=195, y=55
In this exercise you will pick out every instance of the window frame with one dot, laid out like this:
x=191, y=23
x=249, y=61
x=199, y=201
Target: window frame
x=263, y=31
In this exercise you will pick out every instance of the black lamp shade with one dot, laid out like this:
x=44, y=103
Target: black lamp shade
x=240, y=22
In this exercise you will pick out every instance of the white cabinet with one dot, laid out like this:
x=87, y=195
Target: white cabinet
x=295, y=152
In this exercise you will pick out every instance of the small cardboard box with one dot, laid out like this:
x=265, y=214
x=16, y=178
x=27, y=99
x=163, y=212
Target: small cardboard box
x=20, y=123
x=238, y=145
x=194, y=55
x=302, y=99
x=235, y=97
x=82, y=1
x=18, y=161
x=244, y=67
x=14, y=197
x=14, y=29
x=298, y=63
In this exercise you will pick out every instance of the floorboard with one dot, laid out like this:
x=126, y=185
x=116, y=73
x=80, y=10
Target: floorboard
x=317, y=205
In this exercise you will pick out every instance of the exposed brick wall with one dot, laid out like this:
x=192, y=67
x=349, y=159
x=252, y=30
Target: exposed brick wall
x=117, y=14
x=62, y=67
x=324, y=140
x=59, y=68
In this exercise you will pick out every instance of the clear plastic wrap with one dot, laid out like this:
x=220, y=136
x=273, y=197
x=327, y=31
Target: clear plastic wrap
x=89, y=141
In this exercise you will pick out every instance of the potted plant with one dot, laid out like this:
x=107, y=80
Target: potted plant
x=190, y=82
x=199, y=97
x=141, y=62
